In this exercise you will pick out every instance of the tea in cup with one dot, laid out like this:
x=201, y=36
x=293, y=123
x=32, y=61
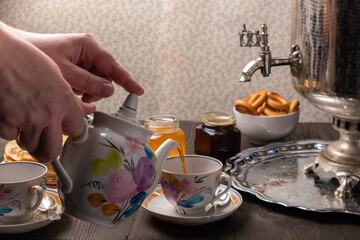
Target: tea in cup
x=21, y=190
x=190, y=192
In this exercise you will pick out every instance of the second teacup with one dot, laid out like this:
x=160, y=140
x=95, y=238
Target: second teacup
x=21, y=190
x=192, y=191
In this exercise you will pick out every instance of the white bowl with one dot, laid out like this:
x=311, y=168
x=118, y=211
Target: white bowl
x=265, y=129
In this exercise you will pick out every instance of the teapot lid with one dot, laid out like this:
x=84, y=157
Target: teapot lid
x=129, y=125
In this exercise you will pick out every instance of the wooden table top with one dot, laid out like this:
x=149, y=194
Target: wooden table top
x=255, y=219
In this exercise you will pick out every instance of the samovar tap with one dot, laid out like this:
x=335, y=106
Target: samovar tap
x=250, y=38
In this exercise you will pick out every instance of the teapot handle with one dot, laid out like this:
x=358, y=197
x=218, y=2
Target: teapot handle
x=83, y=136
x=66, y=181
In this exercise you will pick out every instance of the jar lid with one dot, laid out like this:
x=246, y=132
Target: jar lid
x=162, y=123
x=218, y=119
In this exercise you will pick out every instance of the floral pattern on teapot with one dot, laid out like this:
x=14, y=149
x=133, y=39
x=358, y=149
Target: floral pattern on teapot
x=125, y=189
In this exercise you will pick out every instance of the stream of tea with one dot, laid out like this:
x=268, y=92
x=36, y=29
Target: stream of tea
x=182, y=159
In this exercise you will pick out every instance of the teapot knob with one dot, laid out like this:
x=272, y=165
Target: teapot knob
x=130, y=104
x=129, y=109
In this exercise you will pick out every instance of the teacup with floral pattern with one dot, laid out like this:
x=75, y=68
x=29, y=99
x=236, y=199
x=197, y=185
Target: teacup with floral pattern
x=21, y=190
x=191, y=192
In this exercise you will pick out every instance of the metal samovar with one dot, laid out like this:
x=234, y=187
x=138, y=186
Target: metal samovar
x=325, y=68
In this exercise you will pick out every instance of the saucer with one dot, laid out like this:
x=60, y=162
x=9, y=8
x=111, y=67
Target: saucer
x=160, y=208
x=38, y=220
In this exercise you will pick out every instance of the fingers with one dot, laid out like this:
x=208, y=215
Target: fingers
x=86, y=66
x=85, y=81
x=29, y=138
x=8, y=132
x=97, y=87
x=73, y=121
x=44, y=141
x=50, y=144
x=87, y=107
x=87, y=98
x=105, y=65
x=51, y=138
x=123, y=78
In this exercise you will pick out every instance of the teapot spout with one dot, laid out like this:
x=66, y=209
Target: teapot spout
x=162, y=154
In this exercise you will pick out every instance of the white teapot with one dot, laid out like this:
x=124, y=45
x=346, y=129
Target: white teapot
x=108, y=171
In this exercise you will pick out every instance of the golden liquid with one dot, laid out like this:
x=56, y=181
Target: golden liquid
x=182, y=160
x=178, y=136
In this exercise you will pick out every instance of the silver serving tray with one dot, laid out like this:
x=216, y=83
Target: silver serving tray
x=274, y=173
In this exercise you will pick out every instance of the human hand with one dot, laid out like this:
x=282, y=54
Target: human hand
x=37, y=105
x=87, y=67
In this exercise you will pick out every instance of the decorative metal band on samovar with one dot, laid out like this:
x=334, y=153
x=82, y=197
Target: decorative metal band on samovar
x=325, y=68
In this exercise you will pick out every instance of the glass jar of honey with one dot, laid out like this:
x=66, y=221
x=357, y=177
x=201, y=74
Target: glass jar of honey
x=217, y=136
x=165, y=127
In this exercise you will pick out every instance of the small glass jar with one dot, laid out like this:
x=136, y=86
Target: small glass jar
x=165, y=127
x=217, y=136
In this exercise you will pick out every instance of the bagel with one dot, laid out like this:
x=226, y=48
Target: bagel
x=260, y=109
x=245, y=107
x=275, y=101
x=269, y=112
x=266, y=104
x=257, y=99
x=249, y=96
x=294, y=106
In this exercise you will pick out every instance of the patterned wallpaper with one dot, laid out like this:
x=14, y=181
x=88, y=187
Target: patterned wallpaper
x=185, y=53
